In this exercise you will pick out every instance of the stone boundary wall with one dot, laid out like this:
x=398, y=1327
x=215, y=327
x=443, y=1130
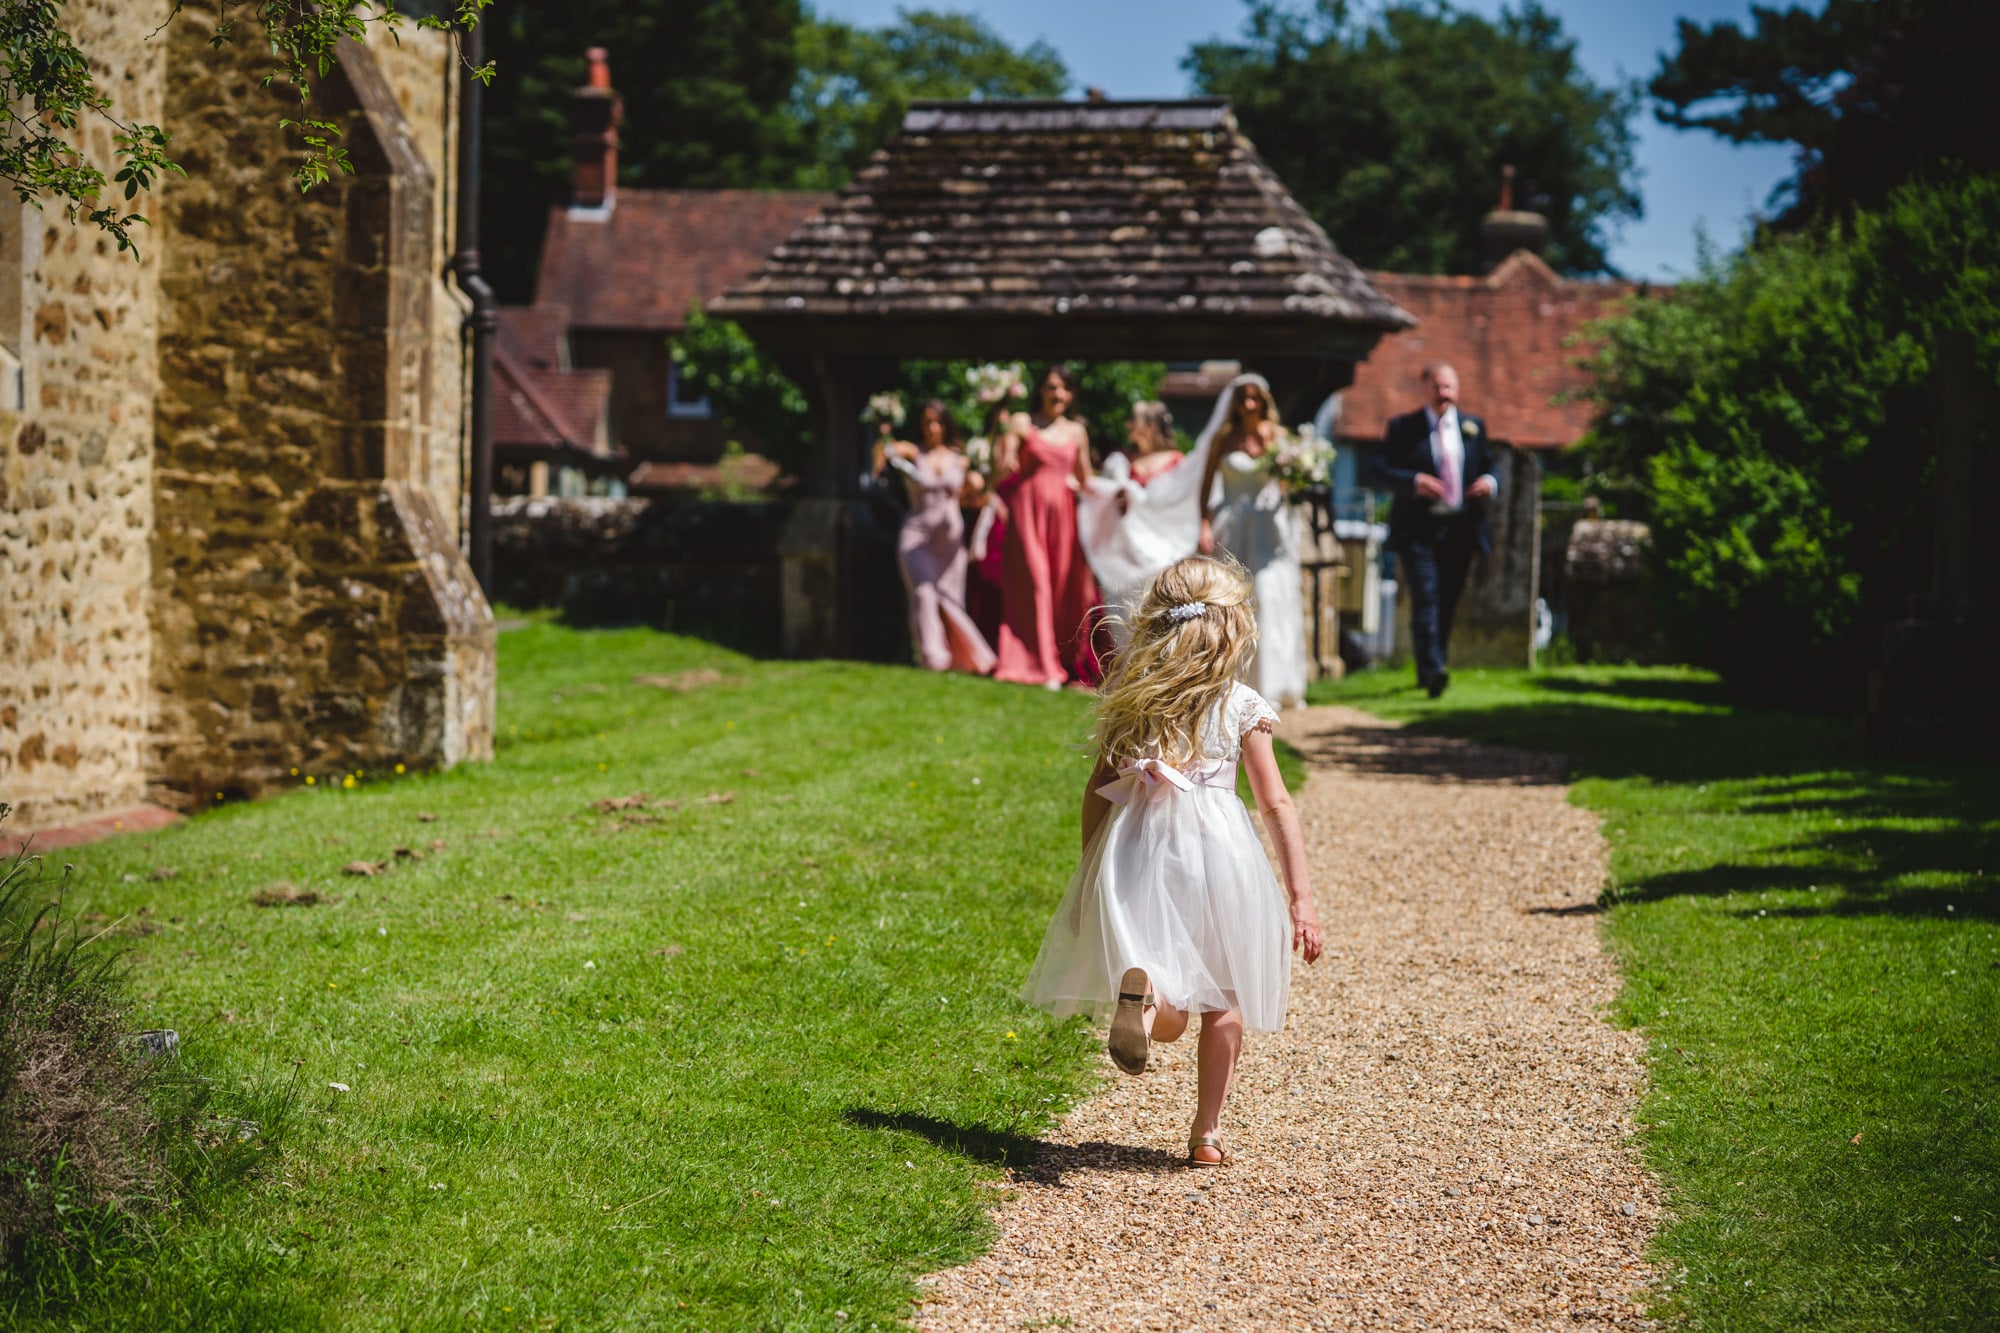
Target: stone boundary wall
x=76, y=502
x=697, y=567
x=1608, y=587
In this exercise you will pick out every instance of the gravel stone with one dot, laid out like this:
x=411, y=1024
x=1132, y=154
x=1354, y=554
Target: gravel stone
x=1458, y=888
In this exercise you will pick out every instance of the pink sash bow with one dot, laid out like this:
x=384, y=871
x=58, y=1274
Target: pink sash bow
x=1151, y=776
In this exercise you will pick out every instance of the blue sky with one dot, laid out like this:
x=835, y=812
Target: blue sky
x=1133, y=48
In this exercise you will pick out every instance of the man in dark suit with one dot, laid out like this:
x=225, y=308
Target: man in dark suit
x=1442, y=470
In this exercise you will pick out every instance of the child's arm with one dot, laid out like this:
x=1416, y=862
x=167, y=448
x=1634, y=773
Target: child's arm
x=1267, y=784
x=1095, y=807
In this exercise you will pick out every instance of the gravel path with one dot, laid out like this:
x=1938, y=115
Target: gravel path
x=1436, y=1140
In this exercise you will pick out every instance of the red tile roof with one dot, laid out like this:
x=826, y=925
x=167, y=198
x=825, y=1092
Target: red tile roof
x=658, y=251
x=535, y=400
x=1507, y=334
x=536, y=334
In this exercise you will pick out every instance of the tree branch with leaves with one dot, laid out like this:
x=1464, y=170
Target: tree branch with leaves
x=49, y=92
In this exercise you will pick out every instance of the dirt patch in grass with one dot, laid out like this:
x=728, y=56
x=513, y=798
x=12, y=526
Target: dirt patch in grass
x=286, y=895
x=680, y=682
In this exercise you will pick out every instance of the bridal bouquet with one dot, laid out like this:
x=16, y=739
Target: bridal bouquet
x=994, y=383
x=1302, y=462
x=979, y=454
x=884, y=409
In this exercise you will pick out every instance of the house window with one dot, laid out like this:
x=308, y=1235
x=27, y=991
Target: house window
x=684, y=401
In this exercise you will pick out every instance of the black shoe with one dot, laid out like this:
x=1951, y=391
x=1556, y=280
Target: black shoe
x=1439, y=683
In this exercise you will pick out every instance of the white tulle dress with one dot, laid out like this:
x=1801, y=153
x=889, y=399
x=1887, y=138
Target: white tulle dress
x=1177, y=882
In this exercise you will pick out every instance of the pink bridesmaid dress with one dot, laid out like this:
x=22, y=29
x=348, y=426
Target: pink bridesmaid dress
x=1048, y=595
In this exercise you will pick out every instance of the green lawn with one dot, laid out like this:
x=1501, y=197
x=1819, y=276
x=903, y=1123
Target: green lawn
x=748, y=1060
x=1809, y=943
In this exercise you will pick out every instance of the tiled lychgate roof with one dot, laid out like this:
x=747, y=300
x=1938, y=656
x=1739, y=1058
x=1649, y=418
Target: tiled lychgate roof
x=642, y=262
x=1117, y=213
x=1510, y=335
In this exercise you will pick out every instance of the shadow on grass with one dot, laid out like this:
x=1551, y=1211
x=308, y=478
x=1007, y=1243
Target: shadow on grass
x=1661, y=745
x=1036, y=1159
x=1805, y=809
x=1871, y=871
x=1662, y=689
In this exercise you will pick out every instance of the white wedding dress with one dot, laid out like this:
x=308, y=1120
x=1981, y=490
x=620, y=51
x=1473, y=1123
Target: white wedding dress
x=1175, y=881
x=1256, y=525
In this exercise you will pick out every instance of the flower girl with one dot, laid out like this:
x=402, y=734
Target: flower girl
x=1174, y=911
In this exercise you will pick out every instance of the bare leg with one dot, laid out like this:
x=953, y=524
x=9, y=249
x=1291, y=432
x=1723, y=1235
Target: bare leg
x=1165, y=1023
x=1221, y=1041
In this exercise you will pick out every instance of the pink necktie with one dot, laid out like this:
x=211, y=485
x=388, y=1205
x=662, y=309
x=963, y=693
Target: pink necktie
x=1448, y=471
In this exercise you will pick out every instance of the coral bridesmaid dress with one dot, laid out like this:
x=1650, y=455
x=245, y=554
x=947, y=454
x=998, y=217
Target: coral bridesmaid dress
x=1048, y=595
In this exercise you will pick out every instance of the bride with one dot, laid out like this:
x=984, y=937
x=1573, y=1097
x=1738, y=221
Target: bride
x=1254, y=523
x=1132, y=532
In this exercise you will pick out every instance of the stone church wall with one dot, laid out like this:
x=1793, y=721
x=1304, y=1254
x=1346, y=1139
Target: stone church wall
x=311, y=610
x=77, y=325
x=230, y=472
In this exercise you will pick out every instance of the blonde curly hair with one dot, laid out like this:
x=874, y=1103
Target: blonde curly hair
x=1191, y=635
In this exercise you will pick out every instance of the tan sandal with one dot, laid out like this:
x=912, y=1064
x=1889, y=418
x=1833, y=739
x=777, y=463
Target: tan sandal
x=1129, y=1045
x=1196, y=1142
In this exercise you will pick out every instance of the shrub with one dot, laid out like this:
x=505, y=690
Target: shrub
x=770, y=414
x=766, y=412
x=1772, y=419
x=1106, y=391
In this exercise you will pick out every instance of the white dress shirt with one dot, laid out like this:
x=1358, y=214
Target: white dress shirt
x=1447, y=453
x=1448, y=445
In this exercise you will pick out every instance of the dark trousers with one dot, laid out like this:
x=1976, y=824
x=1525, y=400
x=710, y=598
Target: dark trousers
x=1434, y=565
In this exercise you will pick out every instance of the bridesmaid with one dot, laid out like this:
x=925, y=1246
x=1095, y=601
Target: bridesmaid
x=931, y=546
x=1048, y=597
x=984, y=509
x=1150, y=432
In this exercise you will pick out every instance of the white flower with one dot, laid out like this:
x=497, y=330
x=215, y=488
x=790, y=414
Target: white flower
x=886, y=406
x=1302, y=461
x=338, y=1087
x=995, y=383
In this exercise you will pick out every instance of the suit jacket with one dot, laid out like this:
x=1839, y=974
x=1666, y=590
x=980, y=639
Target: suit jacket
x=1406, y=451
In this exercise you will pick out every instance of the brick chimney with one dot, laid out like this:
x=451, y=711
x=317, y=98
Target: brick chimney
x=594, y=112
x=1507, y=229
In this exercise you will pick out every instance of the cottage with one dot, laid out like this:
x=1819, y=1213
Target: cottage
x=551, y=421
x=620, y=269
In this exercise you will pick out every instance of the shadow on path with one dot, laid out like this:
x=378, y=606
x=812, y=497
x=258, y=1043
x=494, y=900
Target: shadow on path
x=1035, y=1159
x=1372, y=749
